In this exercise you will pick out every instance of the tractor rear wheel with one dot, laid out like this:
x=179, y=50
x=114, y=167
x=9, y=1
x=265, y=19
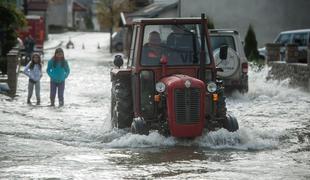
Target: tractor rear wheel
x=121, y=104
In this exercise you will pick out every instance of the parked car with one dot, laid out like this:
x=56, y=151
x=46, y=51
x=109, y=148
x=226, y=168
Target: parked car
x=300, y=37
x=118, y=40
x=235, y=68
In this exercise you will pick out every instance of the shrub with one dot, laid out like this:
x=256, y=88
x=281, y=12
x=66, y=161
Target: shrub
x=250, y=47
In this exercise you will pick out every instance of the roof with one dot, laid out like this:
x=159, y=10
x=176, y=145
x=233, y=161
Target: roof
x=150, y=11
x=228, y=31
x=296, y=31
x=78, y=7
x=33, y=17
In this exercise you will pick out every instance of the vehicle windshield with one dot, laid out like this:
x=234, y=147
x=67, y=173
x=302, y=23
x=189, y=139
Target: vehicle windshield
x=218, y=41
x=181, y=44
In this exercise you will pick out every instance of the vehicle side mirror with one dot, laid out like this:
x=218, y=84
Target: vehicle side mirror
x=118, y=61
x=223, y=52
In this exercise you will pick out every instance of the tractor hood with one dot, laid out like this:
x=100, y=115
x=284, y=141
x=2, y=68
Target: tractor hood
x=185, y=98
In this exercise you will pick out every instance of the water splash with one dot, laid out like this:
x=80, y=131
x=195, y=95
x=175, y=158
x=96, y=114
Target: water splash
x=243, y=139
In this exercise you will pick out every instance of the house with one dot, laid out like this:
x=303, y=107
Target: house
x=157, y=9
x=59, y=15
x=268, y=18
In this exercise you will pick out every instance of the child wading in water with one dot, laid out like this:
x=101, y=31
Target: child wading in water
x=58, y=70
x=34, y=71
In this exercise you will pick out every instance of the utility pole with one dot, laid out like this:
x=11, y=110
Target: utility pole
x=25, y=5
x=112, y=24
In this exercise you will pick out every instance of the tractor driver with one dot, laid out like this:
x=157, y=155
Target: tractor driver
x=153, y=50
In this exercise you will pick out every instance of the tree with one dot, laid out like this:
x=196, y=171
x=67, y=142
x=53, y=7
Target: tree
x=109, y=13
x=250, y=47
x=10, y=20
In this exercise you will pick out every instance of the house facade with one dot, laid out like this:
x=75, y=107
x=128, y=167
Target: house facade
x=268, y=18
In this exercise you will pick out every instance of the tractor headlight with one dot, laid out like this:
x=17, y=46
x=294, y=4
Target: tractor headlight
x=160, y=87
x=188, y=83
x=211, y=87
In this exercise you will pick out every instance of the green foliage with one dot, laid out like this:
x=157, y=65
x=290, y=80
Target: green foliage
x=108, y=11
x=250, y=47
x=88, y=22
x=10, y=20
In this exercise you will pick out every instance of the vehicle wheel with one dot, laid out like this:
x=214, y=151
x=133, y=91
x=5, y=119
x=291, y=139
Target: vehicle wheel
x=221, y=105
x=138, y=126
x=231, y=123
x=244, y=89
x=121, y=104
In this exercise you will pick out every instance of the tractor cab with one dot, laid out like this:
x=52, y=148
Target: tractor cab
x=169, y=81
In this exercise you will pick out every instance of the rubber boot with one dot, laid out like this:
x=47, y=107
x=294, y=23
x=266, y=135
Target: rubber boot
x=52, y=102
x=28, y=101
x=38, y=101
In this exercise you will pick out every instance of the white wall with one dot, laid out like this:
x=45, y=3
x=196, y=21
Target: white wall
x=60, y=13
x=268, y=17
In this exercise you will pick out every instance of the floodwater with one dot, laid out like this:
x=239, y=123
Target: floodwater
x=77, y=142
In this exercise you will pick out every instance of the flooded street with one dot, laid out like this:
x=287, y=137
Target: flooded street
x=77, y=142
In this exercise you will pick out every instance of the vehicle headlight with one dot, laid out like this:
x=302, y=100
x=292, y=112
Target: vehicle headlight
x=160, y=87
x=188, y=83
x=211, y=87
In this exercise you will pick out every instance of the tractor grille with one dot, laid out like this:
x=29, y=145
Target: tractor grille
x=187, y=105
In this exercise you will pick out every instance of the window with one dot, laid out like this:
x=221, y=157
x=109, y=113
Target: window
x=132, y=47
x=218, y=41
x=300, y=39
x=284, y=39
x=179, y=43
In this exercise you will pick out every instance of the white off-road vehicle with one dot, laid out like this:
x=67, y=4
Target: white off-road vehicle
x=235, y=67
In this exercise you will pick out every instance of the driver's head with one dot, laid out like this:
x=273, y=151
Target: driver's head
x=154, y=38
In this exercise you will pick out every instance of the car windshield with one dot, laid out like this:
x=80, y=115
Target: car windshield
x=218, y=41
x=181, y=44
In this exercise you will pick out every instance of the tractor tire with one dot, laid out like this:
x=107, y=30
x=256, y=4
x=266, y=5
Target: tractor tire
x=121, y=104
x=231, y=123
x=138, y=126
x=221, y=105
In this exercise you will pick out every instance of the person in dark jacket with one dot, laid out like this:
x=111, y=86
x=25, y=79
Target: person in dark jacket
x=58, y=70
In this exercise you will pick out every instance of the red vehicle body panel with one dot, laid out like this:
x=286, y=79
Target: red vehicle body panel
x=184, y=130
x=36, y=28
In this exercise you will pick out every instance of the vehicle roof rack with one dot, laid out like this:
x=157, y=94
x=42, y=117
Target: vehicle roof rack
x=223, y=31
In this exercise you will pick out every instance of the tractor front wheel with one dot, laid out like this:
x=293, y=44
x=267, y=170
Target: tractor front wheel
x=138, y=126
x=231, y=123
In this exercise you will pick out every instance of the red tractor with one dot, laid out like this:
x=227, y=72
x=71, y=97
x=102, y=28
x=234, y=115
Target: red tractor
x=169, y=82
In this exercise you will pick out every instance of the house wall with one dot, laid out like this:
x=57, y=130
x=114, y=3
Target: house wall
x=297, y=73
x=169, y=13
x=60, y=13
x=267, y=17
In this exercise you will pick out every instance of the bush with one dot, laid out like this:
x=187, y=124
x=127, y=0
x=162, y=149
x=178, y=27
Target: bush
x=250, y=47
x=88, y=22
x=10, y=20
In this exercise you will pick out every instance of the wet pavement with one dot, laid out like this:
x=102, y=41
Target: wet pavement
x=76, y=141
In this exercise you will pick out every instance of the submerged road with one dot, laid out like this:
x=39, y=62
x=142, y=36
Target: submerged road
x=77, y=142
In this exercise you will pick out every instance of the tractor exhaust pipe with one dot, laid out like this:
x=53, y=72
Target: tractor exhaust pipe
x=202, y=69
